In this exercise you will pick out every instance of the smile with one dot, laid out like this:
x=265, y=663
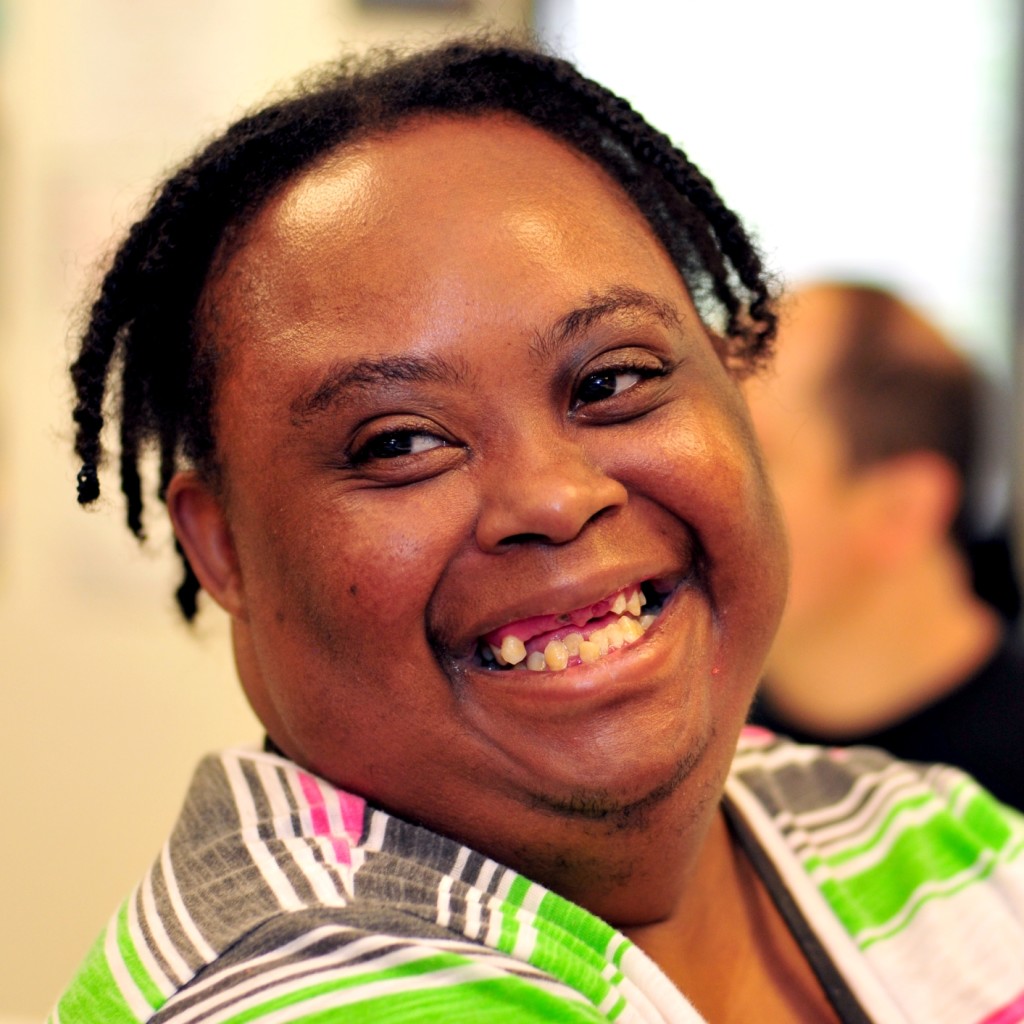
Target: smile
x=552, y=643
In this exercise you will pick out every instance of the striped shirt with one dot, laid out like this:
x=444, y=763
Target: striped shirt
x=282, y=898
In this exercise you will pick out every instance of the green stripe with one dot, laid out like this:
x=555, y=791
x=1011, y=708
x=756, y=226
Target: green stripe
x=494, y=1001
x=865, y=846
x=509, y=924
x=935, y=851
x=571, y=945
x=948, y=893
x=139, y=974
x=577, y=922
x=988, y=819
x=616, y=1011
x=94, y=994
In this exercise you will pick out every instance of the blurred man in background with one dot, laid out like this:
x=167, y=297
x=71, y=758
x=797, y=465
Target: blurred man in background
x=868, y=427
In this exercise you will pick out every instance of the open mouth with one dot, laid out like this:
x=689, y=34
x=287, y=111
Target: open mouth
x=551, y=643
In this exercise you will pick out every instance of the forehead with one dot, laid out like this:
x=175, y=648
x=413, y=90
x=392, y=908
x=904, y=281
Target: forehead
x=789, y=403
x=442, y=218
x=810, y=338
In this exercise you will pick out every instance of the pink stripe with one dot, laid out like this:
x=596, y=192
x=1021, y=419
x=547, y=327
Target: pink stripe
x=351, y=808
x=353, y=811
x=1012, y=1013
x=757, y=734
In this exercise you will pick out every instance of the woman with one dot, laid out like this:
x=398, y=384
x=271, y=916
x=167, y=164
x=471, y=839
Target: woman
x=440, y=358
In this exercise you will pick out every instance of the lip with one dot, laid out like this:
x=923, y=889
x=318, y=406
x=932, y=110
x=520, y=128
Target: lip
x=623, y=674
x=619, y=673
x=564, y=600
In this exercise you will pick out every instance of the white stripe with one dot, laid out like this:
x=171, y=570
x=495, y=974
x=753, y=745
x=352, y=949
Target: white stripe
x=142, y=949
x=460, y=862
x=298, y=847
x=858, y=804
x=534, y=898
x=926, y=890
x=612, y=996
x=947, y=780
x=137, y=1002
x=483, y=880
x=257, y=987
x=785, y=754
x=450, y=977
x=896, y=828
x=860, y=826
x=444, y=914
x=494, y=917
x=188, y=926
x=495, y=921
x=649, y=994
x=280, y=808
x=155, y=923
x=444, y=906
x=263, y=859
x=526, y=916
x=504, y=886
x=218, y=977
x=376, y=833
x=932, y=972
x=473, y=922
x=842, y=950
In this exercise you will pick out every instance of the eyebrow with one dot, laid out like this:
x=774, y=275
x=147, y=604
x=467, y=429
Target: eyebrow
x=600, y=307
x=365, y=374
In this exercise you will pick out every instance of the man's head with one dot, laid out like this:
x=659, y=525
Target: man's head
x=867, y=424
x=463, y=416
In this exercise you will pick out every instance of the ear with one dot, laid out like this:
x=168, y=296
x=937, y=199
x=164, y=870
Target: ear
x=913, y=500
x=201, y=527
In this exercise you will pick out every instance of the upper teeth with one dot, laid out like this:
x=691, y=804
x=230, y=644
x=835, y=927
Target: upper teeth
x=558, y=652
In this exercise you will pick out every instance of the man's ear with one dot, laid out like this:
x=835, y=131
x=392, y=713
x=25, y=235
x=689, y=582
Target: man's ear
x=201, y=527
x=914, y=502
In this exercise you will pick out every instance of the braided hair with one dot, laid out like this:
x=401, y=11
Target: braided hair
x=142, y=352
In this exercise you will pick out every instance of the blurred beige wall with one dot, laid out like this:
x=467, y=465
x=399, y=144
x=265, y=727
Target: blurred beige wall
x=109, y=700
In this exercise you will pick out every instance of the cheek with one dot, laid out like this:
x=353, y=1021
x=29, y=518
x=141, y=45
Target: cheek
x=705, y=471
x=357, y=571
x=701, y=466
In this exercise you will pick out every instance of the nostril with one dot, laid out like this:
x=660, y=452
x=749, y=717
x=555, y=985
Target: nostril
x=543, y=538
x=526, y=538
x=551, y=506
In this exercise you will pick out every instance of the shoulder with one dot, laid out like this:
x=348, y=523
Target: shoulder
x=833, y=794
x=367, y=964
x=919, y=863
x=282, y=897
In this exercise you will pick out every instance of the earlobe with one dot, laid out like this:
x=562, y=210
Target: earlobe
x=201, y=527
x=916, y=500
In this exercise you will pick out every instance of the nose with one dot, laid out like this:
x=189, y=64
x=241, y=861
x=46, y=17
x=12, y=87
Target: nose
x=546, y=493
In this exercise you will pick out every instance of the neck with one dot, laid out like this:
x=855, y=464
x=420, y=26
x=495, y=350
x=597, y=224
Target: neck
x=726, y=947
x=910, y=638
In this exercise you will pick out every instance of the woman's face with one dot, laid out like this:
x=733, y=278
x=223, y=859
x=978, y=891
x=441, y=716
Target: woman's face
x=466, y=398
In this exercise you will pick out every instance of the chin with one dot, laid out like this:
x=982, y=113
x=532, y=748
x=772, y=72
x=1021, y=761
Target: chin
x=628, y=791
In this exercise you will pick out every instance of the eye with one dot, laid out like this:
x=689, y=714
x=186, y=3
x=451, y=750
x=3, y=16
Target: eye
x=625, y=377
x=395, y=444
x=603, y=384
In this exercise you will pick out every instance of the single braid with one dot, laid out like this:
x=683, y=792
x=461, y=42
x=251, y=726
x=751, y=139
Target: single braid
x=143, y=352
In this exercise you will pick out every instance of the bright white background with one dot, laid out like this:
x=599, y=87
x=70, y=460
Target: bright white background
x=872, y=140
